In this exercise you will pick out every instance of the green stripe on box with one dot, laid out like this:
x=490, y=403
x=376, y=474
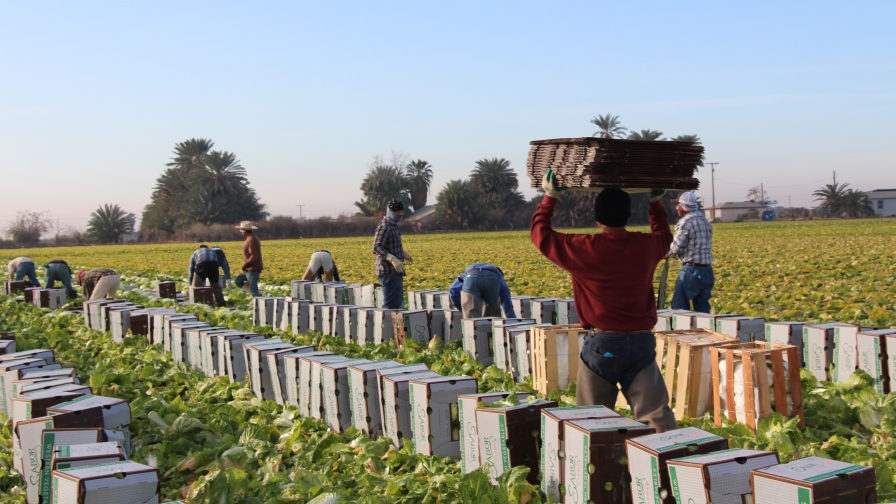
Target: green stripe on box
x=656, y=479
x=828, y=475
x=46, y=475
x=879, y=385
x=803, y=496
x=679, y=445
x=673, y=477
x=586, y=461
x=505, y=455
x=806, y=345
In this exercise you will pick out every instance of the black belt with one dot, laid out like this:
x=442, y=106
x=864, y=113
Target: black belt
x=698, y=265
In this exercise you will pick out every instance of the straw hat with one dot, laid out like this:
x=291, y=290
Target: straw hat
x=246, y=226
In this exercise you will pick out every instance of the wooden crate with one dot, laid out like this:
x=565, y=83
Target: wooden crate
x=167, y=290
x=14, y=287
x=202, y=295
x=555, y=355
x=754, y=359
x=684, y=358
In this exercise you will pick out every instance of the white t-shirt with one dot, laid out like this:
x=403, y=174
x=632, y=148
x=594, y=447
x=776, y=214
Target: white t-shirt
x=321, y=260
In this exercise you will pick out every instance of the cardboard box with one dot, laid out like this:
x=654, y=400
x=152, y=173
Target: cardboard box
x=336, y=399
x=664, y=320
x=165, y=330
x=12, y=370
x=418, y=325
x=52, y=299
x=309, y=387
x=167, y=290
x=521, y=358
x=436, y=300
x=522, y=305
x=353, y=294
x=334, y=293
x=745, y=329
x=555, y=352
x=316, y=317
x=846, y=356
x=55, y=437
x=648, y=456
x=453, y=328
x=328, y=319
x=818, y=348
x=814, y=479
x=35, y=404
x=259, y=374
x=365, y=396
x=155, y=317
x=14, y=287
x=80, y=455
x=92, y=314
x=684, y=320
x=178, y=339
x=470, y=458
x=300, y=315
x=197, y=340
x=478, y=339
x=710, y=320
x=317, y=404
x=234, y=356
x=510, y=436
x=291, y=369
x=284, y=306
x=338, y=327
x=786, y=333
x=201, y=295
x=566, y=312
x=553, y=450
x=875, y=357
x=10, y=380
x=382, y=325
x=112, y=482
x=138, y=322
x=397, y=404
x=435, y=415
x=40, y=353
x=544, y=310
x=301, y=289
x=349, y=317
x=502, y=343
x=27, y=452
x=106, y=308
x=92, y=411
x=267, y=311
x=365, y=324
x=7, y=343
x=594, y=462
x=722, y=476
x=368, y=296
x=277, y=368
x=38, y=386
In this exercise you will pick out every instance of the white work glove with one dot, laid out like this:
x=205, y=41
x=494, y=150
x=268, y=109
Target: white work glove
x=228, y=284
x=549, y=184
x=396, y=263
x=407, y=257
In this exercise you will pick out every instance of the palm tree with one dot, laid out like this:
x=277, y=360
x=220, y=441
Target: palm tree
x=645, y=135
x=109, y=222
x=757, y=194
x=419, y=175
x=855, y=204
x=694, y=139
x=609, y=125
x=458, y=205
x=189, y=153
x=381, y=184
x=491, y=178
x=831, y=195
x=223, y=173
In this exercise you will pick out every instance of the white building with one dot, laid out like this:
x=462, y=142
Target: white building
x=728, y=212
x=883, y=201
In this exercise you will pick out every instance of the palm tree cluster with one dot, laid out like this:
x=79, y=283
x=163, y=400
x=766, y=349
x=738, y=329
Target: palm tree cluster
x=203, y=186
x=493, y=187
x=839, y=201
x=109, y=223
x=611, y=127
x=384, y=181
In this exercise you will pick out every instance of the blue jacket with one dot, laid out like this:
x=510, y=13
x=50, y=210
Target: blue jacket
x=222, y=262
x=458, y=285
x=202, y=254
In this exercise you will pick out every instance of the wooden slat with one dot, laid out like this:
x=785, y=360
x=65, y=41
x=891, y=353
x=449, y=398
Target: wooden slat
x=779, y=381
x=760, y=367
x=661, y=344
x=749, y=382
x=685, y=380
x=729, y=385
x=696, y=379
x=671, y=358
x=716, y=397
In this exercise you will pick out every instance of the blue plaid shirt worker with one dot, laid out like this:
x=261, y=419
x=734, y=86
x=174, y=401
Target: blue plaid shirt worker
x=390, y=256
x=692, y=245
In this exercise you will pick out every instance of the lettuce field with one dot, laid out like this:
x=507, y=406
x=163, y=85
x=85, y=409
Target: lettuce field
x=215, y=442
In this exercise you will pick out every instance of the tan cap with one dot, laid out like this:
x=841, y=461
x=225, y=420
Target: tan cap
x=246, y=226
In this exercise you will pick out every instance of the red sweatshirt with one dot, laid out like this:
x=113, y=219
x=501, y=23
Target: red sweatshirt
x=612, y=273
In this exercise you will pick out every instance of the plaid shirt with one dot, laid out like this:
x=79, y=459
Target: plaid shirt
x=387, y=241
x=693, y=239
x=90, y=279
x=202, y=254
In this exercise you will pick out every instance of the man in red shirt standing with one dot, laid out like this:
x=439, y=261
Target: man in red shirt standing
x=612, y=280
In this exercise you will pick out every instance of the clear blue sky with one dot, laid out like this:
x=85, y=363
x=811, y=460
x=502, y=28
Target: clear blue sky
x=94, y=95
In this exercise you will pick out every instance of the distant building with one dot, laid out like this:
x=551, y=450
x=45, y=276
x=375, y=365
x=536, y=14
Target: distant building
x=728, y=212
x=883, y=201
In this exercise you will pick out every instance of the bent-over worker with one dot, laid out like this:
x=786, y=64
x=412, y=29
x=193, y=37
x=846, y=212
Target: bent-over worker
x=99, y=283
x=204, y=269
x=322, y=267
x=692, y=245
x=481, y=291
x=58, y=269
x=612, y=279
x=20, y=268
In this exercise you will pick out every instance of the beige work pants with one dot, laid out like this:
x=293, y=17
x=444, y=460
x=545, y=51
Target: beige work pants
x=106, y=287
x=473, y=307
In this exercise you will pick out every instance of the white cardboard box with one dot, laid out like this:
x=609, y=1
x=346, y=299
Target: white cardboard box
x=875, y=357
x=299, y=313
x=234, y=357
x=566, y=312
x=277, y=367
x=478, y=339
x=365, y=396
x=10, y=380
x=520, y=354
x=291, y=370
x=466, y=405
x=746, y=329
x=118, y=482
x=261, y=374
x=807, y=479
x=27, y=453
x=364, y=333
x=435, y=415
x=846, y=358
x=502, y=342
x=35, y=404
x=207, y=348
x=80, y=455
x=349, y=316
x=165, y=327
x=397, y=406
x=301, y=289
x=336, y=399
x=786, y=333
x=818, y=348
x=522, y=305
x=156, y=319
x=53, y=437
x=544, y=310
x=709, y=320
x=382, y=325
x=92, y=411
x=179, y=350
x=453, y=329
x=509, y=436
x=684, y=320
x=722, y=476
x=309, y=387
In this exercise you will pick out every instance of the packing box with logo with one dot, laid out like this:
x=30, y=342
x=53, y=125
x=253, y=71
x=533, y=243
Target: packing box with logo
x=417, y=325
x=709, y=320
x=11, y=370
x=555, y=355
x=79, y=455
x=453, y=329
x=299, y=313
x=364, y=334
x=814, y=479
x=566, y=312
x=877, y=357
x=553, y=449
x=544, y=310
x=111, y=482
x=745, y=329
x=92, y=411
x=722, y=476
x=648, y=456
x=291, y=370
x=50, y=298
x=786, y=333
x=179, y=350
x=595, y=466
x=846, y=355
x=435, y=415
x=382, y=325
x=235, y=357
x=478, y=339
x=511, y=436
x=522, y=305
x=11, y=381
x=336, y=399
x=201, y=347
x=684, y=320
x=27, y=452
x=470, y=459
x=365, y=396
x=397, y=405
x=752, y=380
x=277, y=366
x=501, y=336
x=309, y=382
x=51, y=438
x=684, y=355
x=520, y=353
x=394, y=371
x=261, y=375
x=818, y=348
x=35, y=404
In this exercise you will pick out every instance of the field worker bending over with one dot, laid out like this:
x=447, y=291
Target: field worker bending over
x=481, y=291
x=692, y=246
x=390, y=256
x=99, y=283
x=612, y=280
x=321, y=267
x=58, y=269
x=223, y=279
x=22, y=267
x=204, y=267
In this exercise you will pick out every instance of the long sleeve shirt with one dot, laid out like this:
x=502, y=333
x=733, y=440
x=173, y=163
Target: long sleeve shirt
x=201, y=255
x=693, y=239
x=252, y=254
x=222, y=262
x=13, y=265
x=387, y=240
x=612, y=273
x=458, y=286
x=92, y=277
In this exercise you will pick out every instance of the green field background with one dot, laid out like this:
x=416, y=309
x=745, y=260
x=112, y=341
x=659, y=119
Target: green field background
x=839, y=270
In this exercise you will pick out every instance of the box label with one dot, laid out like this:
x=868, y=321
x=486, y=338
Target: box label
x=804, y=496
x=505, y=455
x=673, y=476
x=655, y=472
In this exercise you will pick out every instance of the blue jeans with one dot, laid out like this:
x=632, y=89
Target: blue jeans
x=61, y=273
x=252, y=278
x=693, y=284
x=393, y=291
x=27, y=270
x=484, y=284
x=618, y=358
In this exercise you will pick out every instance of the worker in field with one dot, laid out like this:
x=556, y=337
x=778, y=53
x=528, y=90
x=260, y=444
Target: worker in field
x=59, y=270
x=692, y=245
x=612, y=279
x=321, y=267
x=224, y=274
x=204, y=270
x=23, y=268
x=252, y=262
x=481, y=291
x=390, y=256
x=99, y=283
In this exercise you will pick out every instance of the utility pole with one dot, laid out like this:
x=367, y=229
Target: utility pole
x=300, y=212
x=788, y=203
x=762, y=192
x=835, y=177
x=712, y=167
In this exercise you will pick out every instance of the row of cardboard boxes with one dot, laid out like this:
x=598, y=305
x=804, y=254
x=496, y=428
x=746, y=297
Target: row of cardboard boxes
x=69, y=445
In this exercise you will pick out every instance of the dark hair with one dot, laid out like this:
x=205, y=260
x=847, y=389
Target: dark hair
x=612, y=207
x=203, y=246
